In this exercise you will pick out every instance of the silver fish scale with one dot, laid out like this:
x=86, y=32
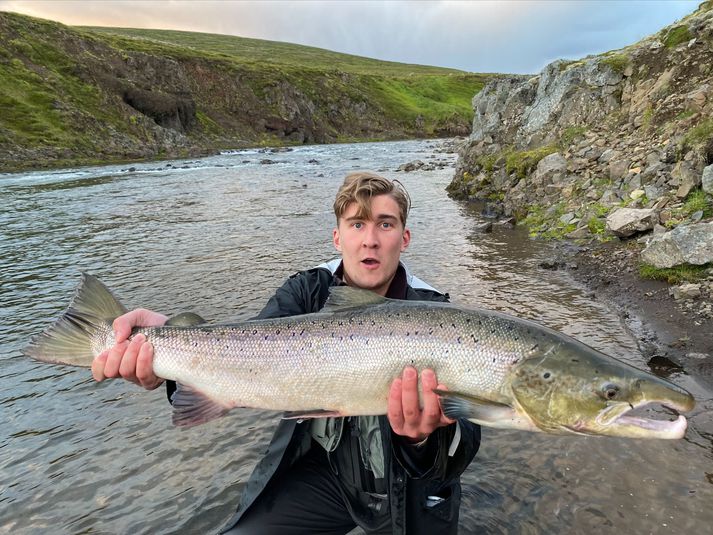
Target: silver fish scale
x=342, y=361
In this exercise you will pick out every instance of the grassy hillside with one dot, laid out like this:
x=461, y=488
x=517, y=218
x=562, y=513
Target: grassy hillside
x=103, y=94
x=245, y=50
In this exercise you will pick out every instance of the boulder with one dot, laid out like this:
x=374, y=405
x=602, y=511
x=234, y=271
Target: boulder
x=625, y=222
x=707, y=180
x=686, y=244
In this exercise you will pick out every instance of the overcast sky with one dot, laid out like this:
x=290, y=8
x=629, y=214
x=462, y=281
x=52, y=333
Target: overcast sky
x=507, y=36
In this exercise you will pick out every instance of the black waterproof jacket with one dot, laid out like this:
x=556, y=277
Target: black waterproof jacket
x=412, y=511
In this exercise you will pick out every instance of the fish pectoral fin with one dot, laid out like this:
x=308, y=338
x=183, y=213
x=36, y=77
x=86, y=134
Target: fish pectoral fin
x=192, y=407
x=458, y=405
x=184, y=319
x=317, y=413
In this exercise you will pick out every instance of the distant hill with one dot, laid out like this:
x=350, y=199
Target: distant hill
x=81, y=94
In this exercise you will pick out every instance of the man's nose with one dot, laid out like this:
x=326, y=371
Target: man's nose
x=370, y=238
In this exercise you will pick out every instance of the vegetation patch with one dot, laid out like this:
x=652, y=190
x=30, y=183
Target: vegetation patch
x=522, y=163
x=676, y=274
x=698, y=136
x=677, y=35
x=616, y=62
x=571, y=134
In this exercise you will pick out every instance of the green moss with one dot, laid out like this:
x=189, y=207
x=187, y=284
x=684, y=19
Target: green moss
x=597, y=227
x=616, y=62
x=698, y=136
x=571, y=134
x=524, y=162
x=685, y=114
x=677, y=35
x=697, y=201
x=676, y=274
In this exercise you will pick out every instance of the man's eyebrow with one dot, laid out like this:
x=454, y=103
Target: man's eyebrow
x=379, y=217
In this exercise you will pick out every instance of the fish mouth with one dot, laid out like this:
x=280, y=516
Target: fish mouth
x=618, y=420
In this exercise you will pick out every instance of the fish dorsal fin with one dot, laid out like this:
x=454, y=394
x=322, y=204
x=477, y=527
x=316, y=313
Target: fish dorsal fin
x=343, y=297
x=184, y=319
x=192, y=407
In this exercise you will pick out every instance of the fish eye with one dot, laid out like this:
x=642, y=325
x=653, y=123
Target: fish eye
x=546, y=375
x=609, y=391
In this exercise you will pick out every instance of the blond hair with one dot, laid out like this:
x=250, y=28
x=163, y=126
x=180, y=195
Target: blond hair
x=360, y=187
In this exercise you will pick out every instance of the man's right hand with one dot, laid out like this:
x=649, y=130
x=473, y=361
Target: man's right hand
x=130, y=359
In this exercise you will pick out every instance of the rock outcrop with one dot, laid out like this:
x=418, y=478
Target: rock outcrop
x=567, y=150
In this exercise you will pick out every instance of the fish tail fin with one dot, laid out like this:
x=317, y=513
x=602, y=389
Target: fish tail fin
x=73, y=336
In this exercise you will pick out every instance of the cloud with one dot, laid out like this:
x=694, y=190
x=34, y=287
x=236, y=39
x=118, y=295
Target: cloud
x=517, y=36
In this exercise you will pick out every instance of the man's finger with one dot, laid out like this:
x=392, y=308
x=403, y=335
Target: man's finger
x=409, y=397
x=144, y=367
x=98, y=365
x=431, y=414
x=127, y=368
x=113, y=361
x=395, y=407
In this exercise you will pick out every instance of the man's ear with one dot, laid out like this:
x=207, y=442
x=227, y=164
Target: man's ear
x=335, y=240
x=406, y=239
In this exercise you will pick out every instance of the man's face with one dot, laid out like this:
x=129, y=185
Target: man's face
x=371, y=248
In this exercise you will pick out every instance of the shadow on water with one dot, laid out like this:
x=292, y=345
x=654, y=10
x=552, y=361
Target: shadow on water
x=77, y=456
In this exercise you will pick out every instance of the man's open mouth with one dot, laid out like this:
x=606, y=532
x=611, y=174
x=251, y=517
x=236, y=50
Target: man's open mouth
x=370, y=262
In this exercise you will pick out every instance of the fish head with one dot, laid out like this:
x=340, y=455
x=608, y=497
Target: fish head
x=572, y=388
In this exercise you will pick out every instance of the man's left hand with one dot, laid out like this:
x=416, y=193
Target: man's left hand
x=405, y=414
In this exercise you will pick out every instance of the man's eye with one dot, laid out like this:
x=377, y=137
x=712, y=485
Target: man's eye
x=386, y=224
x=358, y=225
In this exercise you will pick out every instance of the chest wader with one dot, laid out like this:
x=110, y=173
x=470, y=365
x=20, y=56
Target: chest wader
x=355, y=451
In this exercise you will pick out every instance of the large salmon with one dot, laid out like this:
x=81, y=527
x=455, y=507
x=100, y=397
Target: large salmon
x=501, y=371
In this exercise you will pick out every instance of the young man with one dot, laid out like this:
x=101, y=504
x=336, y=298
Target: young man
x=398, y=473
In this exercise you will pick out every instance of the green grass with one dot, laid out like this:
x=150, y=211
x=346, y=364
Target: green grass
x=676, y=274
x=61, y=89
x=698, y=136
x=523, y=162
x=256, y=51
x=677, y=35
x=617, y=62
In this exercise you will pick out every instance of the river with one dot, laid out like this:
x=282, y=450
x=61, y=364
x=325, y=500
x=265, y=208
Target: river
x=217, y=235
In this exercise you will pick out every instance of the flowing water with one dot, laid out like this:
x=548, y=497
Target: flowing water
x=217, y=236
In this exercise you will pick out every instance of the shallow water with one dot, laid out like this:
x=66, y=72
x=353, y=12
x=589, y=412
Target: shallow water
x=217, y=236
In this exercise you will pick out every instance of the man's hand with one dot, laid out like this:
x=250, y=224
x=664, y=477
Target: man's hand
x=132, y=360
x=405, y=415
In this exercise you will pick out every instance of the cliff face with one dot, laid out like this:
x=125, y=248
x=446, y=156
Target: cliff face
x=630, y=129
x=71, y=94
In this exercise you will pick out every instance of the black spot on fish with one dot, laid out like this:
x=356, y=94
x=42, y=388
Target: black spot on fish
x=467, y=320
x=408, y=333
x=302, y=332
x=458, y=340
x=255, y=331
x=351, y=337
x=277, y=332
x=453, y=325
x=266, y=336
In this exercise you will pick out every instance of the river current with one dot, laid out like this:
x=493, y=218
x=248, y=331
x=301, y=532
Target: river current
x=216, y=236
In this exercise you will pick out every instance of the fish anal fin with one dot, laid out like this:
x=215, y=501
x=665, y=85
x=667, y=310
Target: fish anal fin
x=317, y=413
x=459, y=405
x=192, y=407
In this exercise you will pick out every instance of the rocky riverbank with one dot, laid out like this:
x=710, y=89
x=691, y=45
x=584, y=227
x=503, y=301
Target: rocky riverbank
x=614, y=153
